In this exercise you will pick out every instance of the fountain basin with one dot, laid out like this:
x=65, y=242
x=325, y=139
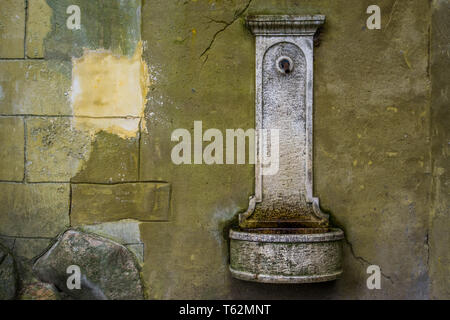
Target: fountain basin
x=286, y=255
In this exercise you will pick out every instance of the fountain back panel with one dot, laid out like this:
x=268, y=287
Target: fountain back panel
x=284, y=235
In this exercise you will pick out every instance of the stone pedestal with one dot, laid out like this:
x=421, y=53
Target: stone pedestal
x=284, y=236
x=285, y=256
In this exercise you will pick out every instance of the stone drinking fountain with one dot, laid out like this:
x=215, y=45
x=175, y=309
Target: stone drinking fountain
x=284, y=237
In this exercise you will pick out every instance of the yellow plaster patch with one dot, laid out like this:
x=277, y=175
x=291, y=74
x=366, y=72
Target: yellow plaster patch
x=109, y=92
x=124, y=128
x=391, y=154
x=394, y=109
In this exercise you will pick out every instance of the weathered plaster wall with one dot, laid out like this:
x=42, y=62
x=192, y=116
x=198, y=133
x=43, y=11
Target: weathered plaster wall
x=71, y=114
x=76, y=154
x=372, y=119
x=440, y=135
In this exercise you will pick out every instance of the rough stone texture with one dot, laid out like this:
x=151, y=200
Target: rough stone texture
x=38, y=26
x=125, y=232
x=95, y=203
x=12, y=28
x=39, y=291
x=439, y=236
x=285, y=258
x=108, y=270
x=55, y=150
x=33, y=210
x=34, y=87
x=12, y=149
x=138, y=250
x=25, y=271
x=284, y=108
x=8, y=275
x=113, y=25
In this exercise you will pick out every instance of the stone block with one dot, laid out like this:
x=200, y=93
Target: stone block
x=96, y=203
x=34, y=87
x=12, y=28
x=59, y=149
x=38, y=26
x=125, y=232
x=12, y=149
x=286, y=257
x=112, y=159
x=33, y=210
x=55, y=149
x=108, y=270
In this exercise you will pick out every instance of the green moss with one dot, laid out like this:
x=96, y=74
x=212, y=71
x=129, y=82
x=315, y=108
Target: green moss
x=111, y=25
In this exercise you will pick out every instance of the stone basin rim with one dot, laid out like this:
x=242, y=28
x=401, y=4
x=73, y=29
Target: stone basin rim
x=334, y=234
x=284, y=279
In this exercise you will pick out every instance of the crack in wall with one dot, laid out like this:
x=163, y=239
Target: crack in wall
x=390, y=15
x=215, y=20
x=237, y=15
x=24, y=149
x=25, y=31
x=363, y=260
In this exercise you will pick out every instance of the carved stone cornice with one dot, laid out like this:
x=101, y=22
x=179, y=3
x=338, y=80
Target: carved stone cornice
x=284, y=25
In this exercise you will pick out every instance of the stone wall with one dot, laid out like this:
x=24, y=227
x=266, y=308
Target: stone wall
x=64, y=144
x=86, y=117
